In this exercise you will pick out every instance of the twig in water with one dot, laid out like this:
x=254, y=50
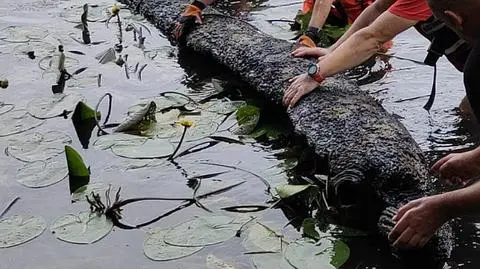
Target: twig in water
x=9, y=206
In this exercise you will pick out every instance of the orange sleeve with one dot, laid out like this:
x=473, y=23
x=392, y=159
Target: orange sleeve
x=415, y=10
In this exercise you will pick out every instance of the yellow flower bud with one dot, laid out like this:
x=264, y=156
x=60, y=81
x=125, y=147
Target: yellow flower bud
x=4, y=84
x=115, y=10
x=186, y=123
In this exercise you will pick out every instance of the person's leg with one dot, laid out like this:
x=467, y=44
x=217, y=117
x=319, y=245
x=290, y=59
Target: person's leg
x=320, y=12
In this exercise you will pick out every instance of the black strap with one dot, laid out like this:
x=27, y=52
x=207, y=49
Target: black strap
x=429, y=103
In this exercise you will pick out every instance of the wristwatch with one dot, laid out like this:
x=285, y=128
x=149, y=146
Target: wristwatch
x=314, y=72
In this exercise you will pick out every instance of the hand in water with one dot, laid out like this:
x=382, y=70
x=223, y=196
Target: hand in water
x=417, y=222
x=306, y=52
x=458, y=167
x=301, y=85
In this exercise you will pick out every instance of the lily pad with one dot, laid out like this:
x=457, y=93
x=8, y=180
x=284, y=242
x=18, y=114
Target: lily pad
x=50, y=107
x=156, y=249
x=270, y=261
x=42, y=173
x=139, y=119
x=247, y=117
x=39, y=49
x=17, y=121
x=306, y=254
x=84, y=228
x=287, y=190
x=21, y=34
x=18, y=230
x=215, y=263
x=222, y=106
x=119, y=139
x=152, y=148
x=163, y=103
x=95, y=13
x=97, y=188
x=203, y=231
x=263, y=239
x=38, y=146
x=5, y=108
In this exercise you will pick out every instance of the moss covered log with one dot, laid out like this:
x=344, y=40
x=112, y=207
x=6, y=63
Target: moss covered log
x=338, y=119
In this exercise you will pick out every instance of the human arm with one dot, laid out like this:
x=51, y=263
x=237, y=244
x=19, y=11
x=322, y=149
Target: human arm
x=191, y=15
x=369, y=15
x=418, y=220
x=358, y=48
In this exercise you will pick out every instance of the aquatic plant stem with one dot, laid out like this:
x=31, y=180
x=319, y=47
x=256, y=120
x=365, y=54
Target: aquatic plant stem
x=9, y=206
x=172, y=157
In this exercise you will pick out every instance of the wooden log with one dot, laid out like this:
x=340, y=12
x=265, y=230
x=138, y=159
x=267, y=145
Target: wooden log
x=338, y=119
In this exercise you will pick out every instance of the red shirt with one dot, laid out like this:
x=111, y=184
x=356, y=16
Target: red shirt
x=415, y=10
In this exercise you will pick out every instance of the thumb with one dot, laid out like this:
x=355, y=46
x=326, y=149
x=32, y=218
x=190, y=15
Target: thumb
x=198, y=18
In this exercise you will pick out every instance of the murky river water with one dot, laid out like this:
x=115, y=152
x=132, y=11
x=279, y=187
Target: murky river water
x=437, y=133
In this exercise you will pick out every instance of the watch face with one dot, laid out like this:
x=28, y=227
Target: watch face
x=312, y=69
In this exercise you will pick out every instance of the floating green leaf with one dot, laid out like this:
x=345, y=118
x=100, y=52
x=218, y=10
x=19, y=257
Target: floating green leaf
x=287, y=190
x=247, y=117
x=342, y=253
x=263, y=239
x=22, y=34
x=156, y=249
x=152, y=148
x=222, y=106
x=37, y=146
x=164, y=103
x=84, y=121
x=84, y=228
x=309, y=231
x=18, y=230
x=41, y=174
x=203, y=231
x=78, y=173
x=139, y=119
x=17, y=121
x=97, y=188
x=270, y=261
x=108, y=141
x=95, y=13
x=54, y=106
x=306, y=254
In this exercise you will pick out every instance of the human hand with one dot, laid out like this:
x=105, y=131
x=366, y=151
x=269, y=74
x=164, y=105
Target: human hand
x=417, y=222
x=306, y=52
x=191, y=16
x=301, y=85
x=458, y=167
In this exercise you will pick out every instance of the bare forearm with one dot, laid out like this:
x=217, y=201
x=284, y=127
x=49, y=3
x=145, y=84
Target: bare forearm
x=462, y=202
x=365, y=19
x=353, y=52
x=320, y=12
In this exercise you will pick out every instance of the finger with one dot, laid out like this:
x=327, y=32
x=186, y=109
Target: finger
x=297, y=51
x=425, y=240
x=404, y=238
x=404, y=209
x=436, y=167
x=288, y=95
x=399, y=228
x=447, y=171
x=415, y=241
x=296, y=98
